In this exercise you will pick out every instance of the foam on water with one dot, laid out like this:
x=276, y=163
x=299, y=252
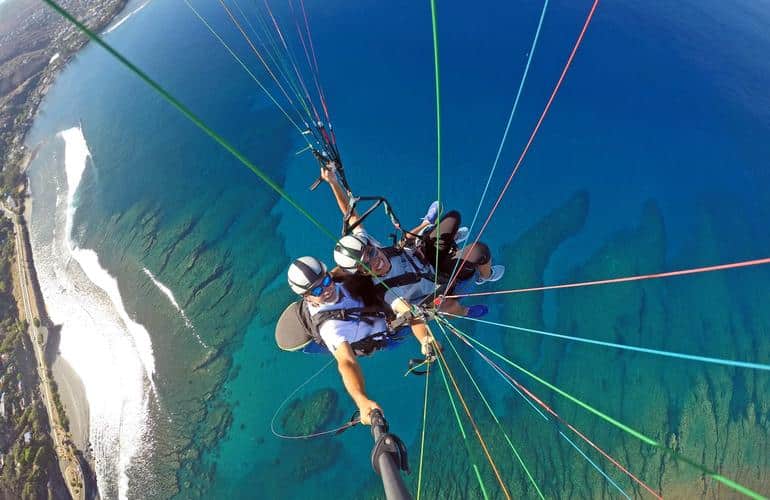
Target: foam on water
x=110, y=351
x=125, y=18
x=170, y=295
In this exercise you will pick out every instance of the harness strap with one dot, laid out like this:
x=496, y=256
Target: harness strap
x=391, y=252
x=367, y=314
x=403, y=279
x=411, y=261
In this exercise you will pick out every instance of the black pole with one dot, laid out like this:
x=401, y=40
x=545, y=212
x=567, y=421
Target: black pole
x=389, y=458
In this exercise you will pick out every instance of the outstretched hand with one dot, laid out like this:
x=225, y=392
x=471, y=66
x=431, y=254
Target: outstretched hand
x=365, y=408
x=429, y=348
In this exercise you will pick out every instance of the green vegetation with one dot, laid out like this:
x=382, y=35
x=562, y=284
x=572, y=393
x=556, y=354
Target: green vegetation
x=8, y=312
x=65, y=422
x=10, y=177
x=28, y=467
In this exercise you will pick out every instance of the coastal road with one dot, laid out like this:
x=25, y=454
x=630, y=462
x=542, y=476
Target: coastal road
x=65, y=450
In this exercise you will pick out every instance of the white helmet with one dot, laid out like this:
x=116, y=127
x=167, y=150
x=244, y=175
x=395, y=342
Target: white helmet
x=349, y=250
x=304, y=273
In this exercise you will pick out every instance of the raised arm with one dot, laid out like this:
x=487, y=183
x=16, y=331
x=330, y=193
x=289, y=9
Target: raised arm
x=329, y=174
x=353, y=379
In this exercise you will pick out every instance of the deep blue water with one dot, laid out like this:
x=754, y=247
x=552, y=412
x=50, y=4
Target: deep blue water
x=663, y=103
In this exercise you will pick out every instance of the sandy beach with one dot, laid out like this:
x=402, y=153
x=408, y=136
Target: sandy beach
x=72, y=393
x=70, y=388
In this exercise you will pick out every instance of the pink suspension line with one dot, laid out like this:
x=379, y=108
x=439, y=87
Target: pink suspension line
x=534, y=131
x=318, y=71
x=291, y=59
x=681, y=272
x=313, y=70
x=547, y=408
x=261, y=59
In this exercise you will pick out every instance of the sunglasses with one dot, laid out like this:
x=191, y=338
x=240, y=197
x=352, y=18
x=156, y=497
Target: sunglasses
x=318, y=290
x=369, y=254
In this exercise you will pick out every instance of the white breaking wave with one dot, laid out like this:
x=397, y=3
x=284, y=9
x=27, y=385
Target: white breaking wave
x=111, y=353
x=53, y=58
x=76, y=154
x=168, y=293
x=124, y=19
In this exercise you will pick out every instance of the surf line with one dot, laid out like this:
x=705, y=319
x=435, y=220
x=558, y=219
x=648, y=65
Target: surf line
x=125, y=18
x=170, y=295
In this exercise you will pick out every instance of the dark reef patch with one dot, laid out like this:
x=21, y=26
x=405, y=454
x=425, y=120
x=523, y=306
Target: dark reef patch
x=312, y=413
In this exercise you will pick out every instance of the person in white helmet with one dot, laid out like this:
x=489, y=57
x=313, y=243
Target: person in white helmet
x=404, y=276
x=345, y=319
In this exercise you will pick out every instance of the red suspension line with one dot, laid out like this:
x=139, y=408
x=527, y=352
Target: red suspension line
x=533, y=134
x=271, y=49
x=313, y=70
x=556, y=415
x=259, y=56
x=573, y=429
x=318, y=71
x=291, y=59
x=475, y=427
x=681, y=272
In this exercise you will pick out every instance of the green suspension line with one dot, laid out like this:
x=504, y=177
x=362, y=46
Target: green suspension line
x=422, y=434
x=189, y=115
x=184, y=110
x=192, y=117
x=245, y=68
x=625, y=428
x=438, y=122
x=462, y=431
x=492, y=412
x=279, y=61
x=481, y=484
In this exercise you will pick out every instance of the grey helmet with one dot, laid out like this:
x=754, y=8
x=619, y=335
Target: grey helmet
x=348, y=252
x=304, y=273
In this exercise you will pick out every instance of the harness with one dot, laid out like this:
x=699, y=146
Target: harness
x=363, y=347
x=409, y=278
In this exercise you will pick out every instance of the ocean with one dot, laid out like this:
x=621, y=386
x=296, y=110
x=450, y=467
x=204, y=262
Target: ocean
x=163, y=259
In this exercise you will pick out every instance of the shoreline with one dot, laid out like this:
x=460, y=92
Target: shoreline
x=36, y=324
x=21, y=106
x=73, y=397
x=70, y=387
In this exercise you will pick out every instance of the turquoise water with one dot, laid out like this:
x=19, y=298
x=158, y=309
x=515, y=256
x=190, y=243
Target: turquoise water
x=662, y=105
